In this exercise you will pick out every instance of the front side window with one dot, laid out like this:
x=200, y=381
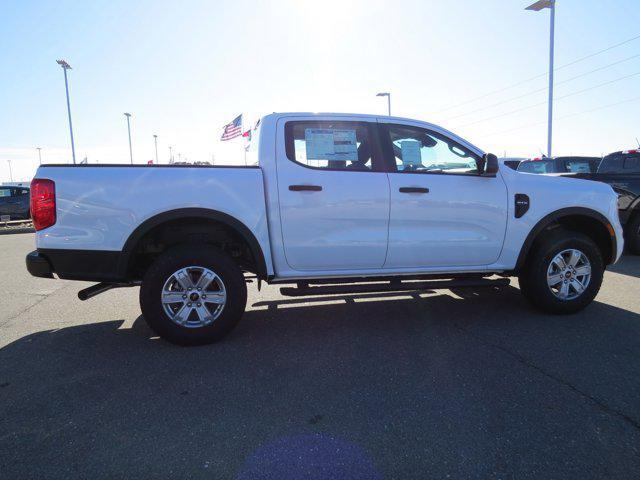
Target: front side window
x=330, y=145
x=417, y=150
x=5, y=192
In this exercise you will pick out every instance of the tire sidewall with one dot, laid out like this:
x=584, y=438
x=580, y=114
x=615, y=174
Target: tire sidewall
x=537, y=289
x=180, y=257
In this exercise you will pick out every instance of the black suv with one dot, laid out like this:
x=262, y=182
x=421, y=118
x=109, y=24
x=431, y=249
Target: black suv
x=14, y=202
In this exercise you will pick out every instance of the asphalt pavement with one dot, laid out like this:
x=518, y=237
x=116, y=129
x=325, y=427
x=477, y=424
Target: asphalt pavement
x=464, y=384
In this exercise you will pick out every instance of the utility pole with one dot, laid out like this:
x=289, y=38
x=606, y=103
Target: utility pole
x=65, y=66
x=551, y=5
x=39, y=155
x=388, y=95
x=155, y=139
x=128, y=115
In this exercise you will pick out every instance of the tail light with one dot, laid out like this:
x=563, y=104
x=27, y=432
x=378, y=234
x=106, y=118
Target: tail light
x=43, y=203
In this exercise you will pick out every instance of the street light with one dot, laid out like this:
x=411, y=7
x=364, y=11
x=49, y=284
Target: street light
x=39, y=155
x=536, y=7
x=170, y=154
x=128, y=115
x=65, y=66
x=10, y=173
x=155, y=139
x=388, y=95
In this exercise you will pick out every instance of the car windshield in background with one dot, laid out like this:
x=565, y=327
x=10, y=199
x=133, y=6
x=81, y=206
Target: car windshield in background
x=538, y=166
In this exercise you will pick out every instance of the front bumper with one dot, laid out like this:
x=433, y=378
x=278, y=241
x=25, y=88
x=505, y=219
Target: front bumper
x=38, y=265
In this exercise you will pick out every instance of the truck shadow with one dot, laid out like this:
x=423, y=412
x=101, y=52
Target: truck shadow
x=353, y=368
x=628, y=265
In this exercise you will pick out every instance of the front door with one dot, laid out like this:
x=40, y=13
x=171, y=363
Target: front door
x=443, y=213
x=333, y=194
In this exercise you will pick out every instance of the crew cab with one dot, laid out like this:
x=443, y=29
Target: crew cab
x=329, y=203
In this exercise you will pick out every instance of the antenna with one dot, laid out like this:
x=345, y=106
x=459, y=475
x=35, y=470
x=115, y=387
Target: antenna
x=637, y=142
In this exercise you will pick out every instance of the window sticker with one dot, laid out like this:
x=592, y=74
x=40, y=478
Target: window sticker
x=410, y=150
x=331, y=144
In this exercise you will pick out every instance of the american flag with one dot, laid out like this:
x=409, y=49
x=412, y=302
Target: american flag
x=233, y=129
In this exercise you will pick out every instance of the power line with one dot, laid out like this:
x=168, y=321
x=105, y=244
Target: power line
x=557, y=98
x=539, y=76
x=601, y=107
x=544, y=88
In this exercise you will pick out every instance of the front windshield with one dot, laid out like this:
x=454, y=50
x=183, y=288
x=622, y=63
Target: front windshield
x=538, y=166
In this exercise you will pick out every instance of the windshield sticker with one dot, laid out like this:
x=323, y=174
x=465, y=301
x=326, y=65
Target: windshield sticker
x=331, y=144
x=410, y=150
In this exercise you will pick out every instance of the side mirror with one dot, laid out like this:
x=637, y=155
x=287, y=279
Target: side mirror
x=488, y=166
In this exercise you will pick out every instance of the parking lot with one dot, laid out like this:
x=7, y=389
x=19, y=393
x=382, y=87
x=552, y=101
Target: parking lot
x=444, y=384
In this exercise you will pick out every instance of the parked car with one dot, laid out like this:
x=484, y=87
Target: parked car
x=621, y=170
x=559, y=165
x=336, y=203
x=14, y=202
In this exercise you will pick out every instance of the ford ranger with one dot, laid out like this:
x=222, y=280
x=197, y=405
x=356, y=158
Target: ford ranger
x=328, y=203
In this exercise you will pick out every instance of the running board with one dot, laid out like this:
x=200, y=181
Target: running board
x=99, y=288
x=393, y=286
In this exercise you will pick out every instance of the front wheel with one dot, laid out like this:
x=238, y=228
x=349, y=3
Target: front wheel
x=193, y=295
x=564, y=272
x=633, y=234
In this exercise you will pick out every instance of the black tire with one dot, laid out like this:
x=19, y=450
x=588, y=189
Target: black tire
x=184, y=256
x=632, y=234
x=533, y=280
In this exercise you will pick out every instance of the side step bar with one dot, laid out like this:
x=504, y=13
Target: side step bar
x=393, y=286
x=99, y=288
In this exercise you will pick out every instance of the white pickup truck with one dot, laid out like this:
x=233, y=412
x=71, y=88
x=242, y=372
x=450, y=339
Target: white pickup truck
x=330, y=203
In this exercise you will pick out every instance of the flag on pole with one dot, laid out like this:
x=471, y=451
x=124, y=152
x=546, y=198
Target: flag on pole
x=233, y=129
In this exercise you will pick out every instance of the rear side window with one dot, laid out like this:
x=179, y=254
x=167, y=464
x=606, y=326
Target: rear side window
x=579, y=166
x=5, y=192
x=632, y=164
x=611, y=164
x=538, y=166
x=330, y=145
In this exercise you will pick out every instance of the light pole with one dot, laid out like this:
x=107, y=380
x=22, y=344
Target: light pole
x=551, y=5
x=39, y=155
x=10, y=173
x=128, y=115
x=388, y=95
x=65, y=66
x=155, y=139
x=170, y=154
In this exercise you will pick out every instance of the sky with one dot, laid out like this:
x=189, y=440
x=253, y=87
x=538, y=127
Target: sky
x=184, y=69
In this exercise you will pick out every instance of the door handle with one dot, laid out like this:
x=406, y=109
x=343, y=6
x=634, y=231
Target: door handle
x=414, y=190
x=305, y=188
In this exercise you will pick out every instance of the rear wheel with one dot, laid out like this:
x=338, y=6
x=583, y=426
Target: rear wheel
x=632, y=234
x=193, y=295
x=563, y=273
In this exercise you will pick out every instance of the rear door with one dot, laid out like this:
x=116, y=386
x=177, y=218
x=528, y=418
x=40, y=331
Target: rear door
x=6, y=207
x=443, y=214
x=333, y=193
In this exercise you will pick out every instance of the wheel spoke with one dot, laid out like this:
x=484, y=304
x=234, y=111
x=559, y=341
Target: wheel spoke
x=216, y=297
x=564, y=290
x=583, y=270
x=559, y=262
x=184, y=279
x=577, y=286
x=554, y=279
x=205, y=279
x=574, y=258
x=172, y=297
x=203, y=313
x=182, y=315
